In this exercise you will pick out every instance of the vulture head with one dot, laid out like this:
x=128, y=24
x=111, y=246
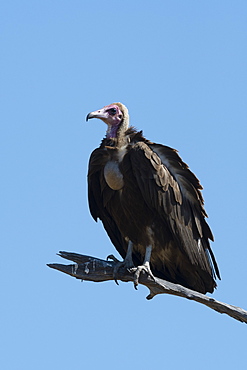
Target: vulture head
x=116, y=117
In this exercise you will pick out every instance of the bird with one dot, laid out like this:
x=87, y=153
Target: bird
x=151, y=206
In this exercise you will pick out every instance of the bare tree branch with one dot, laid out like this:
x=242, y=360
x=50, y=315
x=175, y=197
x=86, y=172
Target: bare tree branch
x=95, y=269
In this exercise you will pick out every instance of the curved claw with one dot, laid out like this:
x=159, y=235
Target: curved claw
x=113, y=258
x=116, y=267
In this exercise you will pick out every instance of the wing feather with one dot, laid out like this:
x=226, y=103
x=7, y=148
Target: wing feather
x=99, y=194
x=168, y=186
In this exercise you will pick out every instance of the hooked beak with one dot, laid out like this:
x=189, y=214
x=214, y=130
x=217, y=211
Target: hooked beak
x=101, y=114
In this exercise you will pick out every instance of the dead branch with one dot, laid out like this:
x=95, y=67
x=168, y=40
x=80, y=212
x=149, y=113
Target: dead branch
x=97, y=270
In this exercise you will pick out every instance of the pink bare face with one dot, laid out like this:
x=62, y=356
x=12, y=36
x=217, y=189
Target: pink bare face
x=111, y=115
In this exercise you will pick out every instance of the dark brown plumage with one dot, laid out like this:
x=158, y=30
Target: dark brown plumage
x=149, y=201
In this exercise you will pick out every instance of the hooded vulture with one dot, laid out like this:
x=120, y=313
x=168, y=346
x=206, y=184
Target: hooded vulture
x=150, y=204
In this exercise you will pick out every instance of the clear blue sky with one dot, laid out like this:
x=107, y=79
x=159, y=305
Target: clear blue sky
x=180, y=67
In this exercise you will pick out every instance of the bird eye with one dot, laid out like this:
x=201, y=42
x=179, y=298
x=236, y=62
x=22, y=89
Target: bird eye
x=112, y=111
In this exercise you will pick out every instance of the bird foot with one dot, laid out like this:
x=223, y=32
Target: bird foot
x=145, y=268
x=126, y=263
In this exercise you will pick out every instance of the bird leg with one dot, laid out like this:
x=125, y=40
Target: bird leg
x=145, y=267
x=126, y=263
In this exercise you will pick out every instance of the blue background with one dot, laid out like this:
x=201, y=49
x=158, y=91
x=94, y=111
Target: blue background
x=180, y=67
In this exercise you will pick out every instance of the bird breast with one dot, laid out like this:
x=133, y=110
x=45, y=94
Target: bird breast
x=113, y=175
